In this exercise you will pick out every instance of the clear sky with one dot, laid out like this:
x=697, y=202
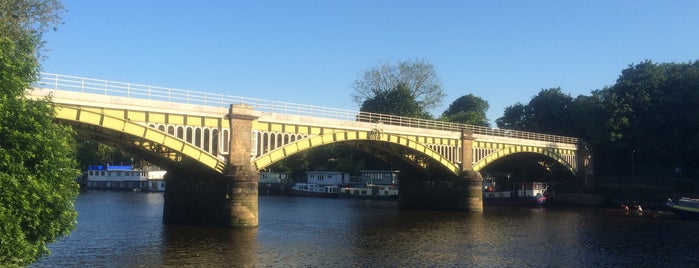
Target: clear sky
x=310, y=52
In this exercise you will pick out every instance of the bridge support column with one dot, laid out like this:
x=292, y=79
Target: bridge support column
x=461, y=193
x=228, y=199
x=473, y=179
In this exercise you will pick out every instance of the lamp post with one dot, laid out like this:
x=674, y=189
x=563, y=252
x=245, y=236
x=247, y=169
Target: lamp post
x=633, y=164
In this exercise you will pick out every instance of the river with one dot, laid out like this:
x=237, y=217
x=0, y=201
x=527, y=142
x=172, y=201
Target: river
x=124, y=229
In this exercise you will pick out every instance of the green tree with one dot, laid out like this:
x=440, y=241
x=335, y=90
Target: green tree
x=398, y=101
x=651, y=113
x=417, y=76
x=37, y=156
x=95, y=153
x=514, y=117
x=467, y=109
x=550, y=111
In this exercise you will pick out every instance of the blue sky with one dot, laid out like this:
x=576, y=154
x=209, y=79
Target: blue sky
x=310, y=52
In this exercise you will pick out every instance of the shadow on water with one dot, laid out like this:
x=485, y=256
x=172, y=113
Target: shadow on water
x=197, y=246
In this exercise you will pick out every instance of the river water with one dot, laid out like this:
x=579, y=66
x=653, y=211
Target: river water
x=124, y=229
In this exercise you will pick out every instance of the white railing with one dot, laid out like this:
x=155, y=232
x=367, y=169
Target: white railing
x=121, y=89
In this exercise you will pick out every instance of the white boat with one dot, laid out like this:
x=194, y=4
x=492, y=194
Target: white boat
x=519, y=194
x=685, y=207
x=314, y=189
x=111, y=177
x=371, y=191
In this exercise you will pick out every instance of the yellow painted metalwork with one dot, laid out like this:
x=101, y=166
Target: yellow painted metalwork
x=118, y=113
x=193, y=120
x=154, y=117
x=97, y=118
x=175, y=119
x=274, y=127
x=135, y=129
x=138, y=116
x=507, y=150
x=211, y=122
x=328, y=138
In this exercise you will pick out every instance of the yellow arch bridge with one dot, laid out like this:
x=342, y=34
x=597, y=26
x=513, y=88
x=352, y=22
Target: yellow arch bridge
x=229, y=138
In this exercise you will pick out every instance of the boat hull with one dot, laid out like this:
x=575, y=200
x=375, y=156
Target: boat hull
x=295, y=192
x=686, y=212
x=515, y=201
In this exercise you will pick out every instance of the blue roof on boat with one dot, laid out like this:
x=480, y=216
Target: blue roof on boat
x=109, y=167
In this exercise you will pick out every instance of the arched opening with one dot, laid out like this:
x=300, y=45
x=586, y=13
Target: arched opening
x=197, y=137
x=207, y=140
x=188, y=135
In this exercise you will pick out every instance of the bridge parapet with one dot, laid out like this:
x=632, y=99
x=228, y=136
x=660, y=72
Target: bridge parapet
x=112, y=88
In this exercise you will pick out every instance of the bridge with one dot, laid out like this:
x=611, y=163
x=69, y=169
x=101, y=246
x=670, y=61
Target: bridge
x=213, y=145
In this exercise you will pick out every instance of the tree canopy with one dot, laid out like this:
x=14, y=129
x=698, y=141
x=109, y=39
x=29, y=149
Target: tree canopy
x=418, y=77
x=645, y=124
x=37, y=156
x=397, y=101
x=549, y=112
x=467, y=109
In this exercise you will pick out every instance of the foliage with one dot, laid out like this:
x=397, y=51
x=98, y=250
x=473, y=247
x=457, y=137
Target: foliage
x=645, y=124
x=37, y=155
x=549, y=111
x=467, y=109
x=397, y=101
x=418, y=76
x=95, y=153
x=335, y=157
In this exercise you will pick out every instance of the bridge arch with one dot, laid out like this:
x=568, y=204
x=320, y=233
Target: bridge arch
x=146, y=137
x=307, y=142
x=513, y=149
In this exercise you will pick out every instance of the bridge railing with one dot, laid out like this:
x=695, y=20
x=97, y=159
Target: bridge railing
x=121, y=89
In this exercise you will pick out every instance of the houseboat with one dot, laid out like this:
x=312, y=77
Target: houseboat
x=273, y=183
x=314, y=190
x=110, y=177
x=515, y=194
x=320, y=184
x=373, y=184
x=371, y=191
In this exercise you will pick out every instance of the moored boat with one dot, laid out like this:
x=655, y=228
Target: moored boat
x=125, y=178
x=685, y=207
x=520, y=194
x=314, y=189
x=371, y=191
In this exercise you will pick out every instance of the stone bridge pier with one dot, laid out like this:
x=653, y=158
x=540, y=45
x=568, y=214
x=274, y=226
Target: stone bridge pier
x=462, y=192
x=229, y=199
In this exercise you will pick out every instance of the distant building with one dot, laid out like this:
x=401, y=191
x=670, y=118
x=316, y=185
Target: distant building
x=327, y=177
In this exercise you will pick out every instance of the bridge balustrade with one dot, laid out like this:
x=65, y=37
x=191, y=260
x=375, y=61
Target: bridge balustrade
x=121, y=89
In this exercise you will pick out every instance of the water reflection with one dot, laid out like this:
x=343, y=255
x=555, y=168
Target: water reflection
x=126, y=230
x=196, y=246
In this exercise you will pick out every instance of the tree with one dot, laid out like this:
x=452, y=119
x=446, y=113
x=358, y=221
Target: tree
x=37, y=156
x=467, y=109
x=418, y=77
x=397, y=101
x=550, y=111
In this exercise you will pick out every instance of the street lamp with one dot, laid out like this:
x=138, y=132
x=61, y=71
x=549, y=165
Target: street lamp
x=633, y=163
